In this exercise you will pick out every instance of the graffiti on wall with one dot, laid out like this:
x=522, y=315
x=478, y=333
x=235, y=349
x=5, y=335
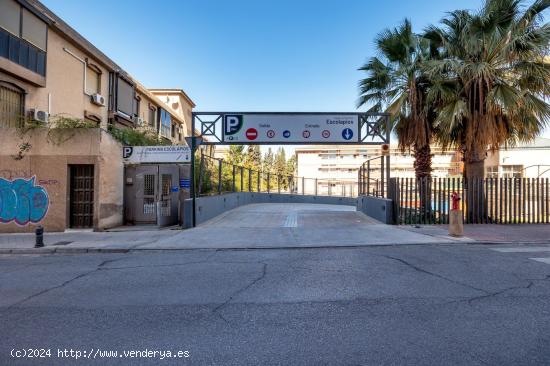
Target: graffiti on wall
x=22, y=202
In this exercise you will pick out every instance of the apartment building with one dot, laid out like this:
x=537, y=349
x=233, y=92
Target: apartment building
x=336, y=167
x=525, y=160
x=48, y=70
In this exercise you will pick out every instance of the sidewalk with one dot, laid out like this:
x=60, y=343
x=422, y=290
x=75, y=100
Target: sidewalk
x=121, y=241
x=500, y=234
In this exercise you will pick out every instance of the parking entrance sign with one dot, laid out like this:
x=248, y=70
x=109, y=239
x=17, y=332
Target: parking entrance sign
x=291, y=128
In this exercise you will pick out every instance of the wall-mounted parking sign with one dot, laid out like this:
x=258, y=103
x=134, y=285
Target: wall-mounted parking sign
x=259, y=128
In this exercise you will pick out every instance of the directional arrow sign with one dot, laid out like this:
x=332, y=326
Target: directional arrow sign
x=347, y=134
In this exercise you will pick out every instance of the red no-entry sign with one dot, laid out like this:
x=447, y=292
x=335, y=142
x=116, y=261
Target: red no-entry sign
x=251, y=134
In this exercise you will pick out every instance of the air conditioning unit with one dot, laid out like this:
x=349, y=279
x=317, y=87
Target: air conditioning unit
x=98, y=99
x=39, y=116
x=139, y=121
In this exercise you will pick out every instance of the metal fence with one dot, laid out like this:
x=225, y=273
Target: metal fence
x=372, y=177
x=216, y=176
x=483, y=200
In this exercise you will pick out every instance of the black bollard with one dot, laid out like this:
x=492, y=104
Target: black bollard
x=39, y=237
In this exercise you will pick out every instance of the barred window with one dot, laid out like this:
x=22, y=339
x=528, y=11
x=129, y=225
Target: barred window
x=12, y=101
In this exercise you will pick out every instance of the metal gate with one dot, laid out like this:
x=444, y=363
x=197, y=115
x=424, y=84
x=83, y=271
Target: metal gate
x=81, y=196
x=155, y=194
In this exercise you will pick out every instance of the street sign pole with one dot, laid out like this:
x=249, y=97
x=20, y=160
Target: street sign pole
x=192, y=175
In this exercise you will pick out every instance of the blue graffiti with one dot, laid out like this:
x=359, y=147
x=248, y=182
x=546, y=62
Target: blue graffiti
x=21, y=201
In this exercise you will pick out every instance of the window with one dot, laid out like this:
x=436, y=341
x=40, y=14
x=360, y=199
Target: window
x=23, y=37
x=93, y=79
x=492, y=172
x=10, y=16
x=34, y=30
x=152, y=114
x=124, y=97
x=174, y=130
x=11, y=105
x=512, y=171
x=165, y=123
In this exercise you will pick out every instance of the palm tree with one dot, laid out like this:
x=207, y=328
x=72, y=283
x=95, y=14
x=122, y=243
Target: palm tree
x=396, y=84
x=494, y=79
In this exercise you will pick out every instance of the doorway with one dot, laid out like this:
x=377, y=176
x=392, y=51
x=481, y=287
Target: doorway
x=81, y=195
x=152, y=194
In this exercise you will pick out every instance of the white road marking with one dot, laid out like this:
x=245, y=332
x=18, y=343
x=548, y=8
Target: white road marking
x=291, y=220
x=522, y=249
x=542, y=260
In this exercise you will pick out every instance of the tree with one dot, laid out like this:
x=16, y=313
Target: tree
x=280, y=168
x=267, y=168
x=494, y=77
x=253, y=158
x=397, y=84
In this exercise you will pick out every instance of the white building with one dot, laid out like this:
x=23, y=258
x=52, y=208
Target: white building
x=522, y=161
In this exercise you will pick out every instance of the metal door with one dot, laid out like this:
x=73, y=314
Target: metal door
x=81, y=196
x=146, y=192
x=168, y=197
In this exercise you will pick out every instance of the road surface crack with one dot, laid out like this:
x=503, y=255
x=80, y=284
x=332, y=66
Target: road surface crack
x=240, y=291
x=421, y=270
x=52, y=288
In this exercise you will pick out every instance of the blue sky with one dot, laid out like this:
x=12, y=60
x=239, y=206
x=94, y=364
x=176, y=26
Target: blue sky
x=248, y=55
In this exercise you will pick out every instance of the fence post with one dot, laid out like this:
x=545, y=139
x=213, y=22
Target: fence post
x=220, y=177
x=359, y=173
x=259, y=178
x=368, y=177
x=234, y=178
x=393, y=194
x=201, y=168
x=303, y=186
x=316, y=186
x=279, y=183
x=268, y=182
x=249, y=180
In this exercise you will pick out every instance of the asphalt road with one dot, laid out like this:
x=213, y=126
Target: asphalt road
x=452, y=304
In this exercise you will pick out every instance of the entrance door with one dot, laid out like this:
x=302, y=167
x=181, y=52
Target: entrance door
x=168, y=200
x=156, y=194
x=146, y=194
x=81, y=196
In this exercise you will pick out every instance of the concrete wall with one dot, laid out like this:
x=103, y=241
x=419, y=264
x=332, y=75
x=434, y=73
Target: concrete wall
x=210, y=207
x=48, y=162
x=380, y=209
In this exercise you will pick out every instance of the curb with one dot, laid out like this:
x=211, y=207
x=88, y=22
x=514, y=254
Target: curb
x=49, y=250
x=57, y=250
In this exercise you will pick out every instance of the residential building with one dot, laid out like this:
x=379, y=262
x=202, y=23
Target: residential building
x=47, y=70
x=525, y=160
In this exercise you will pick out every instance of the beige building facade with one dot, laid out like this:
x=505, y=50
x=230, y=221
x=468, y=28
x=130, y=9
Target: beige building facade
x=48, y=71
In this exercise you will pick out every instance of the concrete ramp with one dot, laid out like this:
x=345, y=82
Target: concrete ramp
x=292, y=225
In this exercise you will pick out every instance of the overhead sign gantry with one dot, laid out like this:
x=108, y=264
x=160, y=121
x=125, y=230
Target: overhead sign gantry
x=288, y=128
x=282, y=128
